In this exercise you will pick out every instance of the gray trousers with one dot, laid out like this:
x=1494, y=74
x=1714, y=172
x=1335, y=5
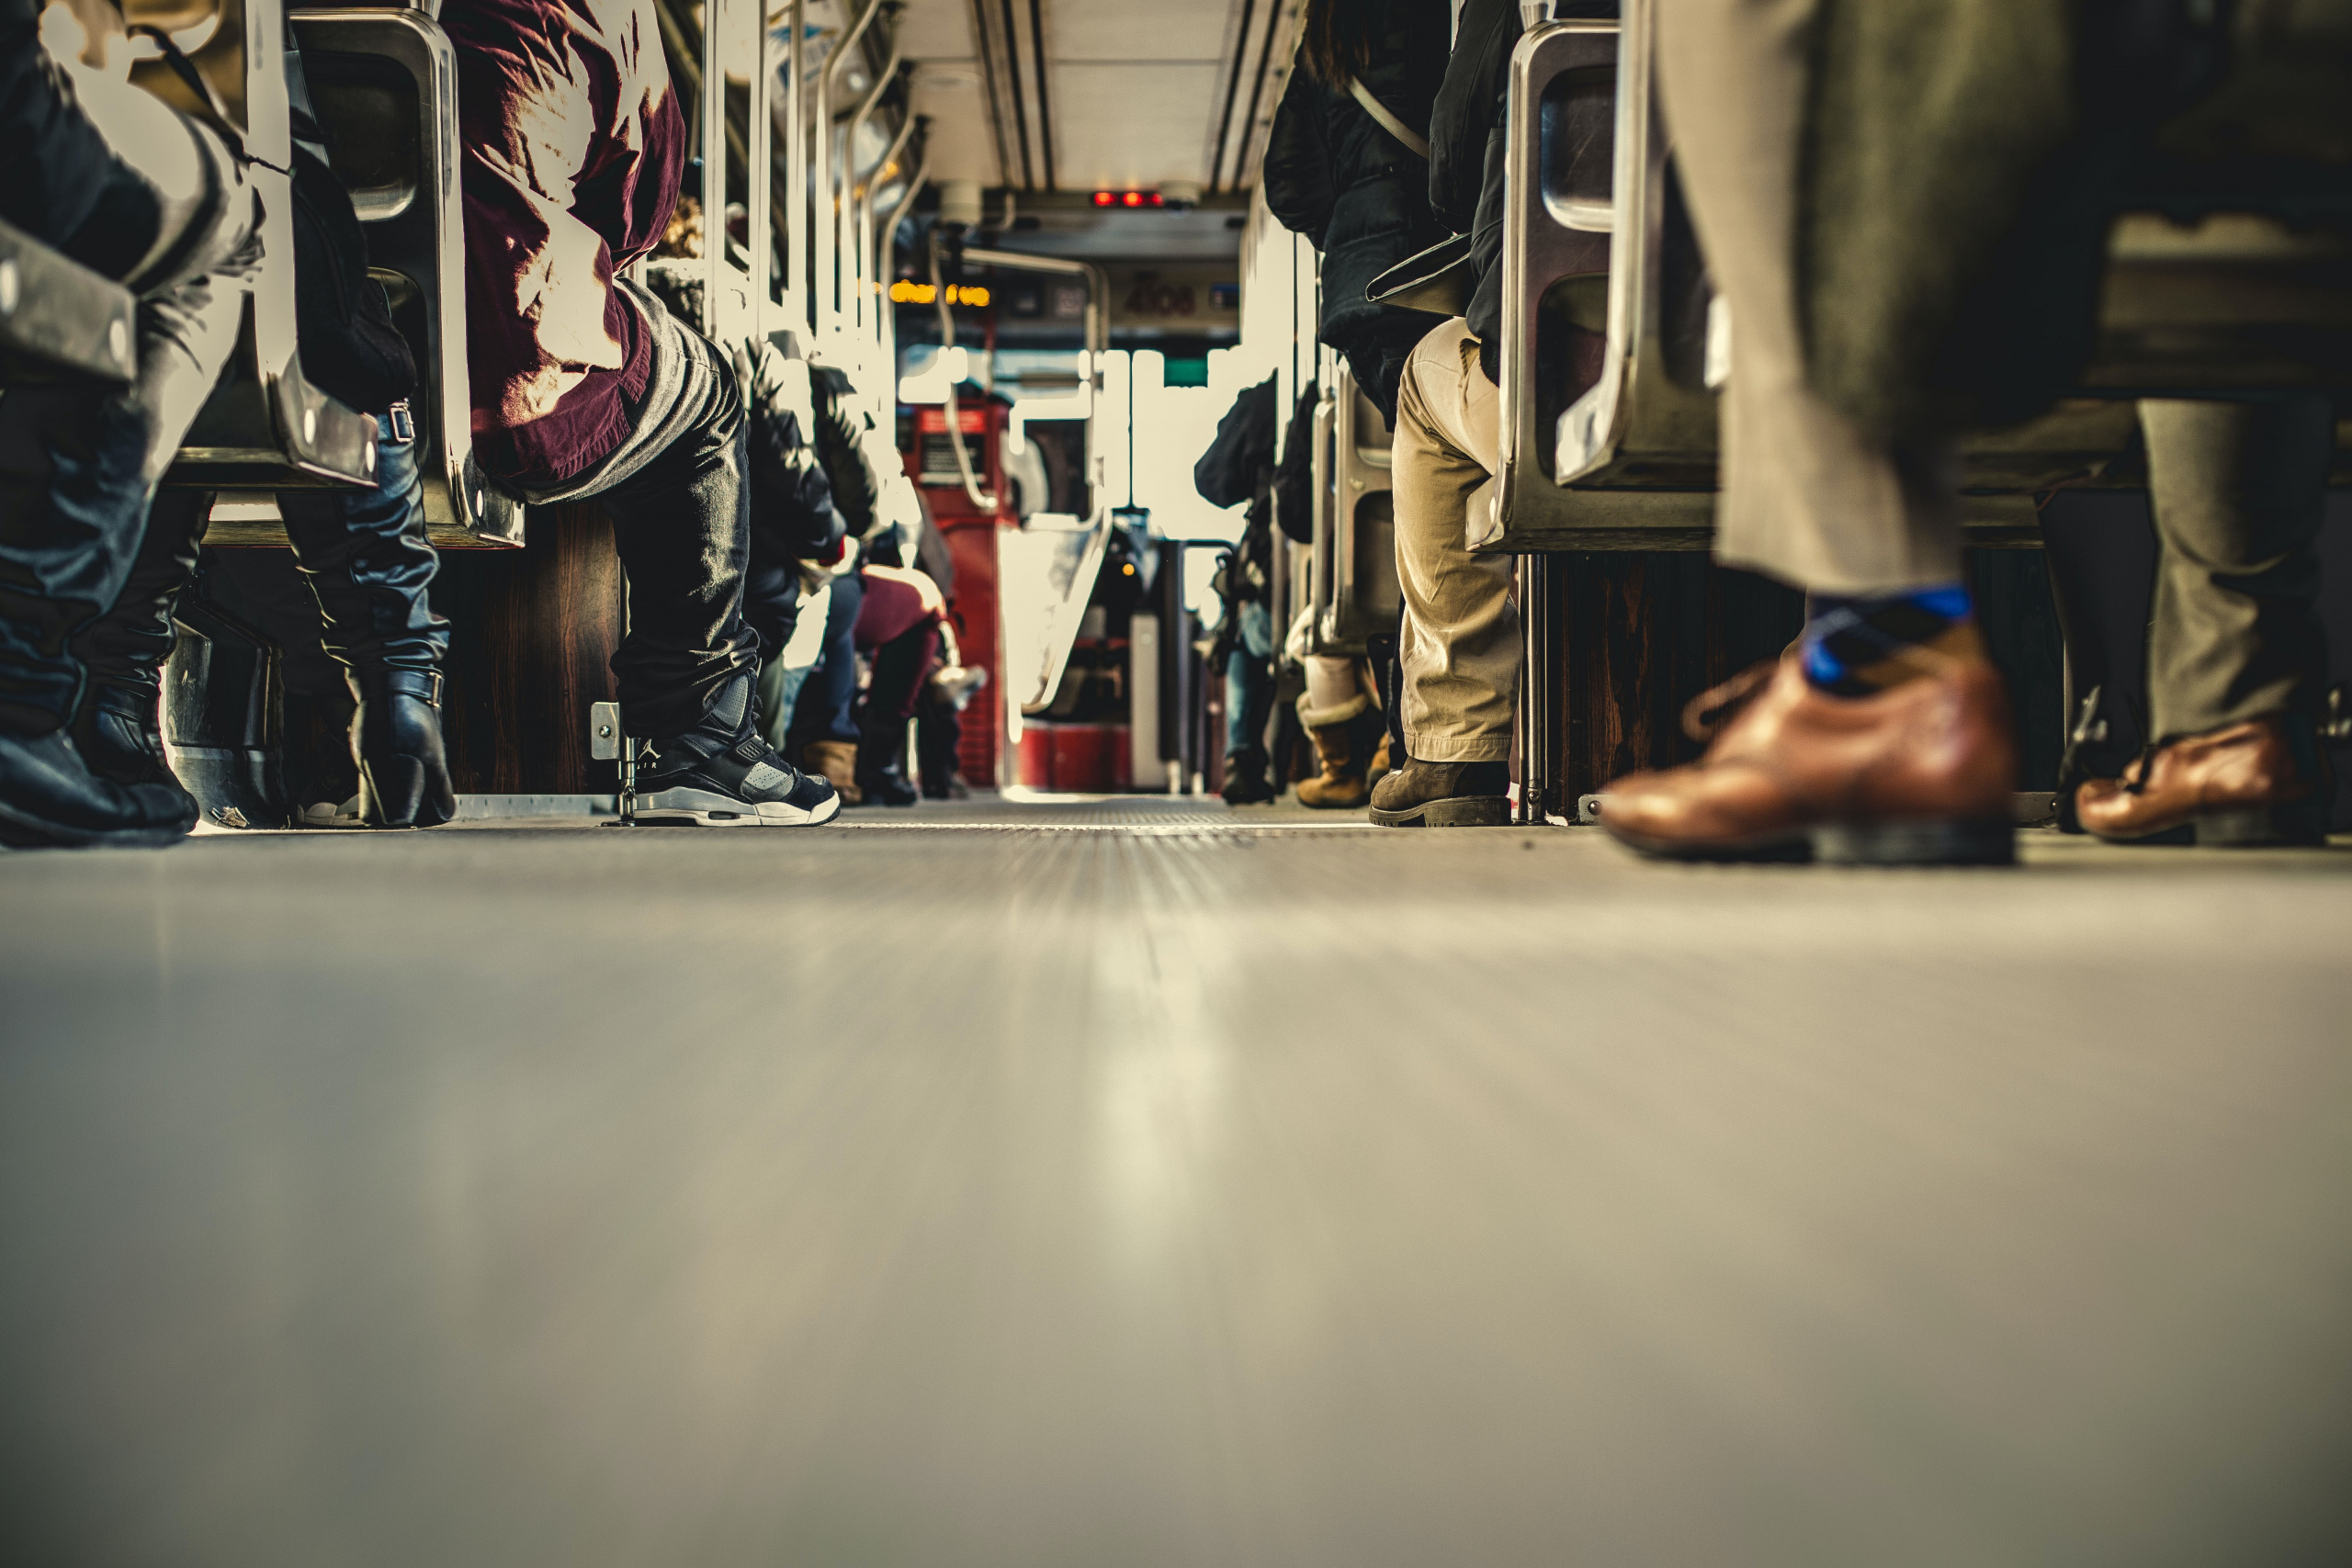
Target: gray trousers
x=1807, y=497
x=2239, y=494
x=1810, y=499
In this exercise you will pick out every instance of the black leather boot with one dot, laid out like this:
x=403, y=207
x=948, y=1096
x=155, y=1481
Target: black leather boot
x=118, y=729
x=881, y=764
x=49, y=798
x=120, y=736
x=396, y=740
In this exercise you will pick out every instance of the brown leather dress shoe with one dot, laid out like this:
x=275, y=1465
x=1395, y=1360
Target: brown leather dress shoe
x=1444, y=795
x=2265, y=781
x=1918, y=774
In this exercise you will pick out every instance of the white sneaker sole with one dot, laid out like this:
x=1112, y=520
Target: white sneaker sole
x=703, y=809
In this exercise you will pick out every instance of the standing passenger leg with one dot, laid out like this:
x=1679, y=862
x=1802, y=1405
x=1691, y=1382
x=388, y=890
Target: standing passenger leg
x=1885, y=735
x=2237, y=657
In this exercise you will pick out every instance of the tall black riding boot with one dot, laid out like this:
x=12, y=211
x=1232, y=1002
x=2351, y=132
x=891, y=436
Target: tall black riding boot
x=365, y=554
x=117, y=729
x=74, y=491
x=881, y=761
x=396, y=740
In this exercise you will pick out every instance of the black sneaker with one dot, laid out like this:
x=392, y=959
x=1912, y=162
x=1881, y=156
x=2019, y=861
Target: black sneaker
x=747, y=786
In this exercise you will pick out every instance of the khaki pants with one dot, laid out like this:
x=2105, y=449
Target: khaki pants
x=1807, y=498
x=1460, y=640
x=2239, y=494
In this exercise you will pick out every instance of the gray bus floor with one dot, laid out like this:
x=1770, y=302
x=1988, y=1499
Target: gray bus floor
x=1139, y=1182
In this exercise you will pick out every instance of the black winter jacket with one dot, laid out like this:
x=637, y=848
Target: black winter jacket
x=1468, y=143
x=1294, y=476
x=1334, y=175
x=1466, y=157
x=1239, y=461
x=839, y=427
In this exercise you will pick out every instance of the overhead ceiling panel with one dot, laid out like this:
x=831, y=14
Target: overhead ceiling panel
x=1127, y=94
x=1131, y=127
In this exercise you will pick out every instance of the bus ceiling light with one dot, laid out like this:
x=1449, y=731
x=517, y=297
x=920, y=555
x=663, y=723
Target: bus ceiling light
x=1136, y=198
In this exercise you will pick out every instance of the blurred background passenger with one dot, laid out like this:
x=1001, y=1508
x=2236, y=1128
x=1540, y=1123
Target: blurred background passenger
x=1239, y=469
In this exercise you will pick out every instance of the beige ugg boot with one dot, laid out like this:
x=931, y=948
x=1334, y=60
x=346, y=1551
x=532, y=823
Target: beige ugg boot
x=1341, y=785
x=837, y=759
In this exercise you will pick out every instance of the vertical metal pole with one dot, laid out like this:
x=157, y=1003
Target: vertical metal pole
x=1175, y=659
x=759, y=157
x=714, y=162
x=795, y=175
x=832, y=180
x=1532, y=730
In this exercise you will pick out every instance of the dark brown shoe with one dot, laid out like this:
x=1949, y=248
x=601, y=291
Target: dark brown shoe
x=1918, y=774
x=1444, y=795
x=2264, y=781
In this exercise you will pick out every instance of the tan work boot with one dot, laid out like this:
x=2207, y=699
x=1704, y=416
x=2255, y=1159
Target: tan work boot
x=1340, y=786
x=837, y=759
x=1444, y=795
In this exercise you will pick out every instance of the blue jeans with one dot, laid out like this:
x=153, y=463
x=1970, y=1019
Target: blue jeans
x=1249, y=680
x=833, y=690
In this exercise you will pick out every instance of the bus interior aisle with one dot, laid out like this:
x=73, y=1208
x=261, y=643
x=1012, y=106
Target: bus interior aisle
x=1134, y=1180
x=1175, y=782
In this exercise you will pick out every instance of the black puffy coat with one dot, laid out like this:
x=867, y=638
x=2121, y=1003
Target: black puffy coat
x=1466, y=155
x=839, y=427
x=1241, y=460
x=1334, y=175
x=1294, y=476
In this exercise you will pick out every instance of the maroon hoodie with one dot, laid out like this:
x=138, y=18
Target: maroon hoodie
x=573, y=143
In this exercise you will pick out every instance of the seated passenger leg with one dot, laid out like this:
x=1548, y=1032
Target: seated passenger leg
x=830, y=698
x=1459, y=639
x=119, y=728
x=2237, y=658
x=78, y=468
x=688, y=665
x=1248, y=692
x=900, y=667
x=1885, y=735
x=364, y=555
x=1339, y=720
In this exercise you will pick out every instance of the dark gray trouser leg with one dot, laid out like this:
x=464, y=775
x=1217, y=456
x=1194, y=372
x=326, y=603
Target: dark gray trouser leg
x=78, y=465
x=682, y=530
x=2239, y=490
x=681, y=512
x=128, y=647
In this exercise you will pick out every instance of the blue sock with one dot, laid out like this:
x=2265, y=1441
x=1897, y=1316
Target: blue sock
x=1854, y=647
